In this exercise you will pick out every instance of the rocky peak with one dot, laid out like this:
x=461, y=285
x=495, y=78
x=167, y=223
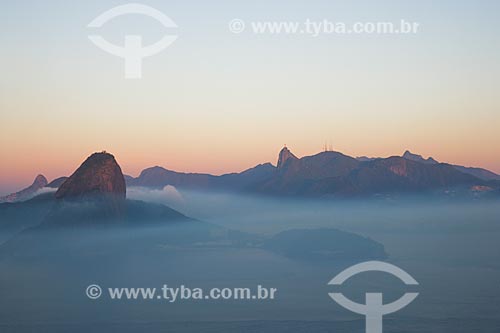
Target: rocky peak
x=99, y=175
x=39, y=182
x=284, y=156
x=27, y=193
x=418, y=158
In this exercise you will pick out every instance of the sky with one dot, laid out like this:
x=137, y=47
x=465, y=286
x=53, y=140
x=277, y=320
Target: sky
x=218, y=102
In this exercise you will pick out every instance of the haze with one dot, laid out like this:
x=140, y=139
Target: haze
x=219, y=102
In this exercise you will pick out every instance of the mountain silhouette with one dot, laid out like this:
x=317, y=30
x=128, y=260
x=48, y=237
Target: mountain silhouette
x=284, y=156
x=324, y=244
x=325, y=174
x=330, y=173
x=95, y=194
x=418, y=158
x=27, y=193
x=476, y=172
x=99, y=174
x=56, y=183
x=91, y=201
x=90, y=216
x=335, y=174
x=296, y=176
x=158, y=177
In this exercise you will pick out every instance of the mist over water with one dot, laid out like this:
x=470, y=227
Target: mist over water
x=450, y=248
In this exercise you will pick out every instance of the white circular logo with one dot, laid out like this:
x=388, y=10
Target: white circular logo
x=373, y=309
x=236, y=26
x=93, y=291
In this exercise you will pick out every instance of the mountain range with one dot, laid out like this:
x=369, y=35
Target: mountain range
x=91, y=199
x=334, y=174
x=325, y=174
x=476, y=172
x=90, y=213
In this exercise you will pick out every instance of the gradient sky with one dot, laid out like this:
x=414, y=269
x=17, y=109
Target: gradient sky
x=219, y=102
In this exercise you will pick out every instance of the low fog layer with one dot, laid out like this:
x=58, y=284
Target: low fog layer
x=450, y=248
x=272, y=214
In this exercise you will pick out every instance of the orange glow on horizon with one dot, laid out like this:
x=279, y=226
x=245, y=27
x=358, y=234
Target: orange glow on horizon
x=23, y=167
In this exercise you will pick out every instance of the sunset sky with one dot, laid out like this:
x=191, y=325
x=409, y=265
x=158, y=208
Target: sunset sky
x=220, y=102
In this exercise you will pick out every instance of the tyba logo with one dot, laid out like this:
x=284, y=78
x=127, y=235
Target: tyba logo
x=373, y=309
x=132, y=51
